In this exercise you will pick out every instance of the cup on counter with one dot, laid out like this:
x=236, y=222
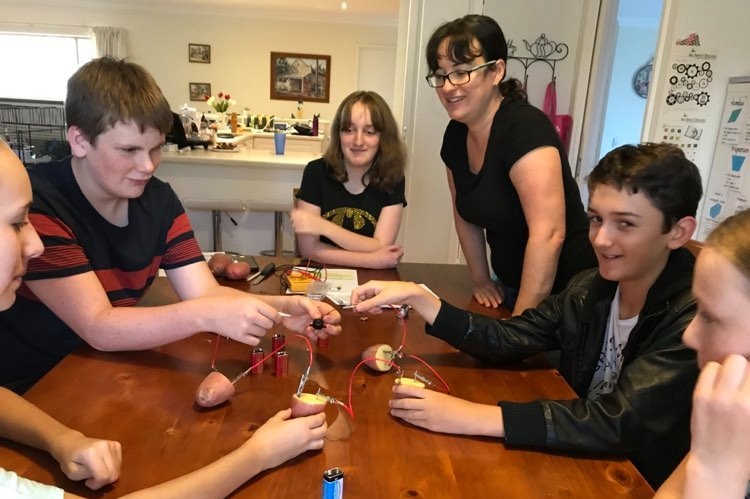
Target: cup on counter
x=279, y=139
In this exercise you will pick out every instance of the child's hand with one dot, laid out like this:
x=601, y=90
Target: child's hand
x=306, y=223
x=444, y=413
x=82, y=458
x=387, y=257
x=281, y=438
x=304, y=310
x=721, y=409
x=370, y=296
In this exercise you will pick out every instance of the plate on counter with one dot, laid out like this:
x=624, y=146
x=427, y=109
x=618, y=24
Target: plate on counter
x=222, y=149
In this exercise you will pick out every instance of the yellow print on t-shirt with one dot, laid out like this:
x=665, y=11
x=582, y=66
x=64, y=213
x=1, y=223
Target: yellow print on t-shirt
x=358, y=216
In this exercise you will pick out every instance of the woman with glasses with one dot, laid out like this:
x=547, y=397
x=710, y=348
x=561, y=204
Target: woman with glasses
x=508, y=172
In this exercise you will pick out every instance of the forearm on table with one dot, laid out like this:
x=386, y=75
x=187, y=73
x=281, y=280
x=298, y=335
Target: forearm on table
x=349, y=240
x=325, y=253
x=539, y=269
x=216, y=480
x=23, y=422
x=142, y=328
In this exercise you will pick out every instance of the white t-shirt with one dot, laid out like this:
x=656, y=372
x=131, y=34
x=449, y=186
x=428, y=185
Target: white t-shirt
x=13, y=486
x=610, y=359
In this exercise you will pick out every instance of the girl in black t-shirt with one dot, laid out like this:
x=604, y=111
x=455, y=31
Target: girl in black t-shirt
x=350, y=202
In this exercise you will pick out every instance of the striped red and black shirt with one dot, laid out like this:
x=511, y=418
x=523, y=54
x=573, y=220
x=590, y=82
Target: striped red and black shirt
x=77, y=239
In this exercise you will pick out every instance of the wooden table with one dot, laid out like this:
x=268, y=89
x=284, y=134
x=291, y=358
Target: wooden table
x=145, y=400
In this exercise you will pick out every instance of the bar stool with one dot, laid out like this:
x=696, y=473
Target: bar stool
x=278, y=210
x=216, y=206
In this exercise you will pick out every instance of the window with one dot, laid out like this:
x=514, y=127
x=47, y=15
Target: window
x=37, y=67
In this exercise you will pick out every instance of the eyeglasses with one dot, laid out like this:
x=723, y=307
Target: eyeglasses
x=458, y=77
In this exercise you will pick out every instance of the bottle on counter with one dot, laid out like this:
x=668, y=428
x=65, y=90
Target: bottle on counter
x=315, y=124
x=300, y=109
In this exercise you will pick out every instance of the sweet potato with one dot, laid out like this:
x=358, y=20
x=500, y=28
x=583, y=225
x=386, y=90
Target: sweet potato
x=237, y=270
x=218, y=263
x=214, y=390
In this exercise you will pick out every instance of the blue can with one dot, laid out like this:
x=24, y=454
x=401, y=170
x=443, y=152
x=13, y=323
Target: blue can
x=333, y=484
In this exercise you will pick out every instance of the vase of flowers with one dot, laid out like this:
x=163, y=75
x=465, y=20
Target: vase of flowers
x=220, y=104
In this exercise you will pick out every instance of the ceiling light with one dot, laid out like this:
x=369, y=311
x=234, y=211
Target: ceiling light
x=343, y=5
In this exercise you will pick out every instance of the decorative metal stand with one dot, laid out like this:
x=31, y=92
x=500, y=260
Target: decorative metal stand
x=542, y=50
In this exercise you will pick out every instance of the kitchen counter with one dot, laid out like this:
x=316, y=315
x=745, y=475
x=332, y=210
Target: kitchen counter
x=257, y=139
x=259, y=181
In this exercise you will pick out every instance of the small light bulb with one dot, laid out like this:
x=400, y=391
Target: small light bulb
x=344, y=5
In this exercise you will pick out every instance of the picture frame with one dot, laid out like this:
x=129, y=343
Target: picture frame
x=198, y=52
x=305, y=77
x=199, y=91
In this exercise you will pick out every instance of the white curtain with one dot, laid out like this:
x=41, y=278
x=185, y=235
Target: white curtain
x=110, y=41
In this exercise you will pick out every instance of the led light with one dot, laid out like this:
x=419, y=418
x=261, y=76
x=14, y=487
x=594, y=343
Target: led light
x=344, y=6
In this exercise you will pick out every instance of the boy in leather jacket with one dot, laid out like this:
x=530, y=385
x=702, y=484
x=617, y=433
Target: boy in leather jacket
x=618, y=327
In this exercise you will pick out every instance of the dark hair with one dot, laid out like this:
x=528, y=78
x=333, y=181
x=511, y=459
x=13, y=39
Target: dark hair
x=106, y=91
x=470, y=37
x=731, y=239
x=388, y=166
x=661, y=171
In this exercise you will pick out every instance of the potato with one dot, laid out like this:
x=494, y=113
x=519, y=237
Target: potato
x=307, y=404
x=407, y=382
x=237, y=270
x=379, y=355
x=218, y=263
x=214, y=390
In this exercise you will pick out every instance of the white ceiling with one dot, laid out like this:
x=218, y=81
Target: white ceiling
x=357, y=11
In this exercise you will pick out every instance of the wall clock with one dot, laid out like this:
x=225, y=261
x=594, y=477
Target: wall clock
x=642, y=78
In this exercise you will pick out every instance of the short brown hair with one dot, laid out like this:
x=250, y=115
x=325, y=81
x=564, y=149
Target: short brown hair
x=389, y=164
x=106, y=91
x=660, y=171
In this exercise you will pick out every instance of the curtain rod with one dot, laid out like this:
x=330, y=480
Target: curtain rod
x=46, y=25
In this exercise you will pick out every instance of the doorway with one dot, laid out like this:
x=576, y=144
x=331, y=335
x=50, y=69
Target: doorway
x=626, y=40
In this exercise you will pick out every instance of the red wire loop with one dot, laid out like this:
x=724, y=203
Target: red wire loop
x=348, y=407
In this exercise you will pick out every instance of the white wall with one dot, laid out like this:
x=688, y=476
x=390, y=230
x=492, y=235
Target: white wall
x=240, y=64
x=722, y=30
x=240, y=49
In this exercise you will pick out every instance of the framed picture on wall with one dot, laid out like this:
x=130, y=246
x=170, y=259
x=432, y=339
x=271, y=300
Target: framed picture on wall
x=297, y=77
x=198, y=52
x=200, y=91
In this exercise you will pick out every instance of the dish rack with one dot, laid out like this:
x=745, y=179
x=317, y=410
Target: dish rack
x=35, y=132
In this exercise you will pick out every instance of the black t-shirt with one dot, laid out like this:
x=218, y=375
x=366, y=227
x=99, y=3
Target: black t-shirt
x=355, y=212
x=490, y=201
